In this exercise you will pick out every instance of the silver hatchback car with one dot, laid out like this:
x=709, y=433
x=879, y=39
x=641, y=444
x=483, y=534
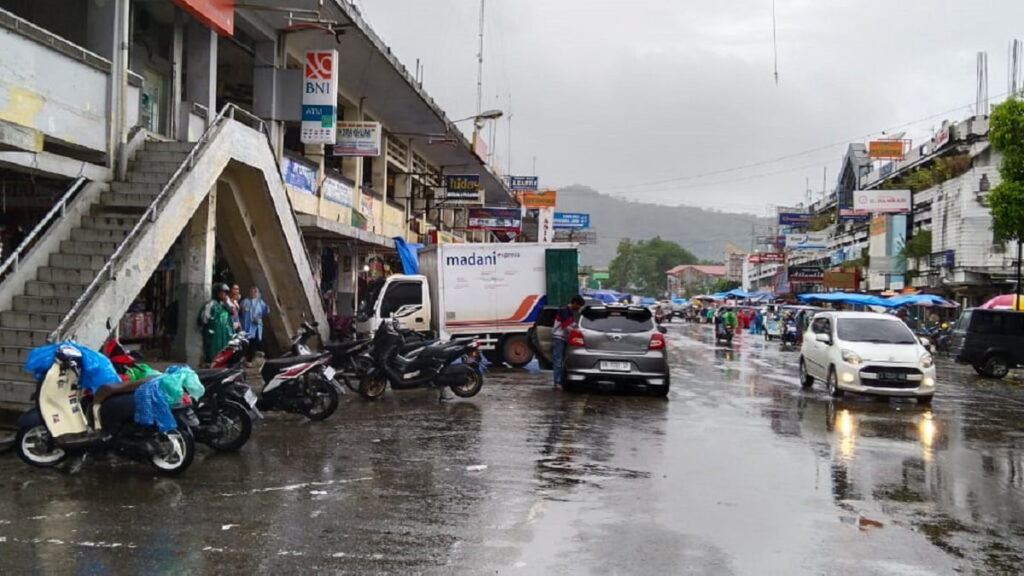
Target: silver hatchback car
x=616, y=344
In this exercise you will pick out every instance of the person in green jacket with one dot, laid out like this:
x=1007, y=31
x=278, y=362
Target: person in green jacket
x=215, y=322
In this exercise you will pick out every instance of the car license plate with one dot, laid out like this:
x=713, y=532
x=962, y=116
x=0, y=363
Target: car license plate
x=615, y=366
x=892, y=376
x=329, y=372
x=250, y=397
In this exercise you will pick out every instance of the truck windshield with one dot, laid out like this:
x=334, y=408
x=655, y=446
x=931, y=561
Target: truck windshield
x=400, y=294
x=874, y=330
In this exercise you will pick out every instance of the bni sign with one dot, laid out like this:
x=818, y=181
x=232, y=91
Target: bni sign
x=320, y=97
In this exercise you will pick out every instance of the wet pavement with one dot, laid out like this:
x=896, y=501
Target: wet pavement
x=739, y=471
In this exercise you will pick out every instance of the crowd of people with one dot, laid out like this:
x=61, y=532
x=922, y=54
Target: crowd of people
x=228, y=313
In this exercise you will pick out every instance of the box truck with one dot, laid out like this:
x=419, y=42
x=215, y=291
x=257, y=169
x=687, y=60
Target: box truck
x=492, y=292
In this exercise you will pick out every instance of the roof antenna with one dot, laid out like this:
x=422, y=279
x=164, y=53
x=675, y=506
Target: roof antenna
x=775, y=45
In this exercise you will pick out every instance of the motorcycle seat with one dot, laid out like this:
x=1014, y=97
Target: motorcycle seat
x=272, y=367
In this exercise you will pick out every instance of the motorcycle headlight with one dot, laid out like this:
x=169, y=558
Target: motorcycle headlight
x=927, y=361
x=851, y=357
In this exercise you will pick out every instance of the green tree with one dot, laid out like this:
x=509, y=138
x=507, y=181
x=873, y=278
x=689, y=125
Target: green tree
x=640, y=266
x=724, y=285
x=1006, y=200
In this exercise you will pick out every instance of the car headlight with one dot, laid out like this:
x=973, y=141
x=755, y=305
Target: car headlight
x=927, y=361
x=851, y=357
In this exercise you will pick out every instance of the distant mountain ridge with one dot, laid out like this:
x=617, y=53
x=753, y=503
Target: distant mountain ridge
x=703, y=232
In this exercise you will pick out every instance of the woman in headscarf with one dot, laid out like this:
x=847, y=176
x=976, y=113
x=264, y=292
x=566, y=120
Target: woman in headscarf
x=253, y=310
x=215, y=322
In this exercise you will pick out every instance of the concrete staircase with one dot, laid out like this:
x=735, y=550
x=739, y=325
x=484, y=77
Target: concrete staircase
x=46, y=300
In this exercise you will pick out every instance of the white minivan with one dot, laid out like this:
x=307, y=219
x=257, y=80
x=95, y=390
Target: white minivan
x=866, y=353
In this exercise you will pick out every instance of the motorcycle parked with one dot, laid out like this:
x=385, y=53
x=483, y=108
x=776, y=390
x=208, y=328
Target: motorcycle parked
x=723, y=334
x=790, y=335
x=454, y=364
x=226, y=411
x=64, y=423
x=299, y=382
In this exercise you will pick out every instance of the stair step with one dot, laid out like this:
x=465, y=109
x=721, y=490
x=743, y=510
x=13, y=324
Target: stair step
x=30, y=320
x=64, y=276
x=154, y=165
x=37, y=289
x=52, y=305
x=121, y=223
x=145, y=156
x=22, y=337
x=88, y=248
x=97, y=235
x=125, y=201
x=14, y=371
x=129, y=188
x=179, y=147
x=14, y=354
x=160, y=178
x=77, y=261
x=17, y=392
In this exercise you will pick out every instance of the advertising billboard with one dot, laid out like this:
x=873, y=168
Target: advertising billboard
x=887, y=149
x=794, y=219
x=357, y=139
x=539, y=199
x=571, y=221
x=882, y=201
x=811, y=241
x=319, y=97
x=806, y=274
x=497, y=219
x=521, y=183
x=462, y=189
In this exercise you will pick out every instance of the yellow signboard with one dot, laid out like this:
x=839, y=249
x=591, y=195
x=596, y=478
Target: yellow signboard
x=539, y=199
x=886, y=149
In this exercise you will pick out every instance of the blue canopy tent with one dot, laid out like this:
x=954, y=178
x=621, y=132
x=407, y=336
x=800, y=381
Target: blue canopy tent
x=871, y=300
x=646, y=301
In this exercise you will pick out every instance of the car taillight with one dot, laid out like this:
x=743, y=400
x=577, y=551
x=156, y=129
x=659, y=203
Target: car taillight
x=657, y=342
x=576, y=339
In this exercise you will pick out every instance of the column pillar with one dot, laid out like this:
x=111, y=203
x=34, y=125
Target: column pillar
x=177, y=124
x=195, y=288
x=201, y=60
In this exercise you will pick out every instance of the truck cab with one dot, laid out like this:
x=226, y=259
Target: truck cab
x=386, y=298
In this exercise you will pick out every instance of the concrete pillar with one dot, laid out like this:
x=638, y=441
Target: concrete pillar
x=266, y=77
x=177, y=126
x=380, y=183
x=198, y=243
x=201, y=61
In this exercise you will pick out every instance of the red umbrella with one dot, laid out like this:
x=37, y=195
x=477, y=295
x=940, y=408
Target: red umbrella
x=1003, y=301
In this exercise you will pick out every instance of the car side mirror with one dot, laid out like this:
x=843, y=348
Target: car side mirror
x=662, y=329
x=823, y=338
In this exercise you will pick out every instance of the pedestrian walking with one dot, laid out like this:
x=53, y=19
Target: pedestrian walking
x=564, y=320
x=215, y=322
x=253, y=310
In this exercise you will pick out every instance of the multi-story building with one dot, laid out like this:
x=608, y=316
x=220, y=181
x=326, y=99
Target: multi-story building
x=148, y=148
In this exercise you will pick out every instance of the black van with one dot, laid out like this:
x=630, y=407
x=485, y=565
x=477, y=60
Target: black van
x=992, y=341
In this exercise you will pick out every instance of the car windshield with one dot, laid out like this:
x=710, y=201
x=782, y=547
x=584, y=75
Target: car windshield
x=874, y=330
x=627, y=321
x=964, y=322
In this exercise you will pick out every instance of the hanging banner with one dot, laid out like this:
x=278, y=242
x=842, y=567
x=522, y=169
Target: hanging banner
x=521, y=183
x=542, y=199
x=319, y=97
x=882, y=201
x=546, y=225
x=298, y=175
x=495, y=219
x=358, y=139
x=812, y=241
x=571, y=221
x=337, y=191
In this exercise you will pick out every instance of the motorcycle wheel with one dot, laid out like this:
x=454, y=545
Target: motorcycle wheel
x=372, y=386
x=234, y=425
x=174, y=452
x=351, y=379
x=325, y=399
x=36, y=447
x=471, y=384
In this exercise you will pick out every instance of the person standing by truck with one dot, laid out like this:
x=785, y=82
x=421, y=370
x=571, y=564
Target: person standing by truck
x=564, y=320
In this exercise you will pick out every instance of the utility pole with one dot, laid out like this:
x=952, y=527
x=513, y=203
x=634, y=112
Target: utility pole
x=480, y=65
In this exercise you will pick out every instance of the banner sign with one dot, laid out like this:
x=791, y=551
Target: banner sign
x=849, y=214
x=887, y=149
x=571, y=221
x=767, y=240
x=806, y=274
x=546, y=225
x=521, y=183
x=766, y=258
x=496, y=219
x=944, y=259
x=811, y=241
x=298, y=175
x=797, y=219
x=319, y=97
x=881, y=201
x=462, y=188
x=357, y=139
x=337, y=191
x=541, y=199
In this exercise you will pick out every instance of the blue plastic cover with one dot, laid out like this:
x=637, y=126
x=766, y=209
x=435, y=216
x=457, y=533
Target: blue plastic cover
x=151, y=406
x=408, y=253
x=96, y=368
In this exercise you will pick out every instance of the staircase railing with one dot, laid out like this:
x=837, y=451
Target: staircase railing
x=106, y=273
x=11, y=263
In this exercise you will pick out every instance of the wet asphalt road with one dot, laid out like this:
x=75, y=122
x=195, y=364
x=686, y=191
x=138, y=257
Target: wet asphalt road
x=739, y=471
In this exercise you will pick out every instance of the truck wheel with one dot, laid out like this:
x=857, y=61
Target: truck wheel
x=516, y=350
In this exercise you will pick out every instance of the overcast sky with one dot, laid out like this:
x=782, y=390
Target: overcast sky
x=625, y=95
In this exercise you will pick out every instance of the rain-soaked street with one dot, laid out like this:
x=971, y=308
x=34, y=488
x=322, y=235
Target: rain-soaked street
x=739, y=471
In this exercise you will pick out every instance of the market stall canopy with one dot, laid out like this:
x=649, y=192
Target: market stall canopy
x=1004, y=301
x=872, y=300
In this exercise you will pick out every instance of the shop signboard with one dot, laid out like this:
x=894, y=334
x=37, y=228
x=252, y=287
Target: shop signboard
x=766, y=258
x=851, y=215
x=462, y=189
x=367, y=209
x=298, y=175
x=358, y=139
x=337, y=191
x=539, y=199
x=319, y=97
x=944, y=259
x=842, y=279
x=571, y=221
x=882, y=201
x=217, y=14
x=806, y=274
x=767, y=240
x=546, y=225
x=887, y=149
x=794, y=219
x=495, y=219
x=522, y=183
x=811, y=241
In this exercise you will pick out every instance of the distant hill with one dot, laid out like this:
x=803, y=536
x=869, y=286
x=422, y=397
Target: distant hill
x=703, y=232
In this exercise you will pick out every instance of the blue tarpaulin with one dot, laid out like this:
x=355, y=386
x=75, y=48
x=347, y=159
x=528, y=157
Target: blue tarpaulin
x=872, y=300
x=96, y=368
x=408, y=253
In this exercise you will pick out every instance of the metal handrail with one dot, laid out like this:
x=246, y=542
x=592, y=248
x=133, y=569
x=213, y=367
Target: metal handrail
x=60, y=207
x=105, y=273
